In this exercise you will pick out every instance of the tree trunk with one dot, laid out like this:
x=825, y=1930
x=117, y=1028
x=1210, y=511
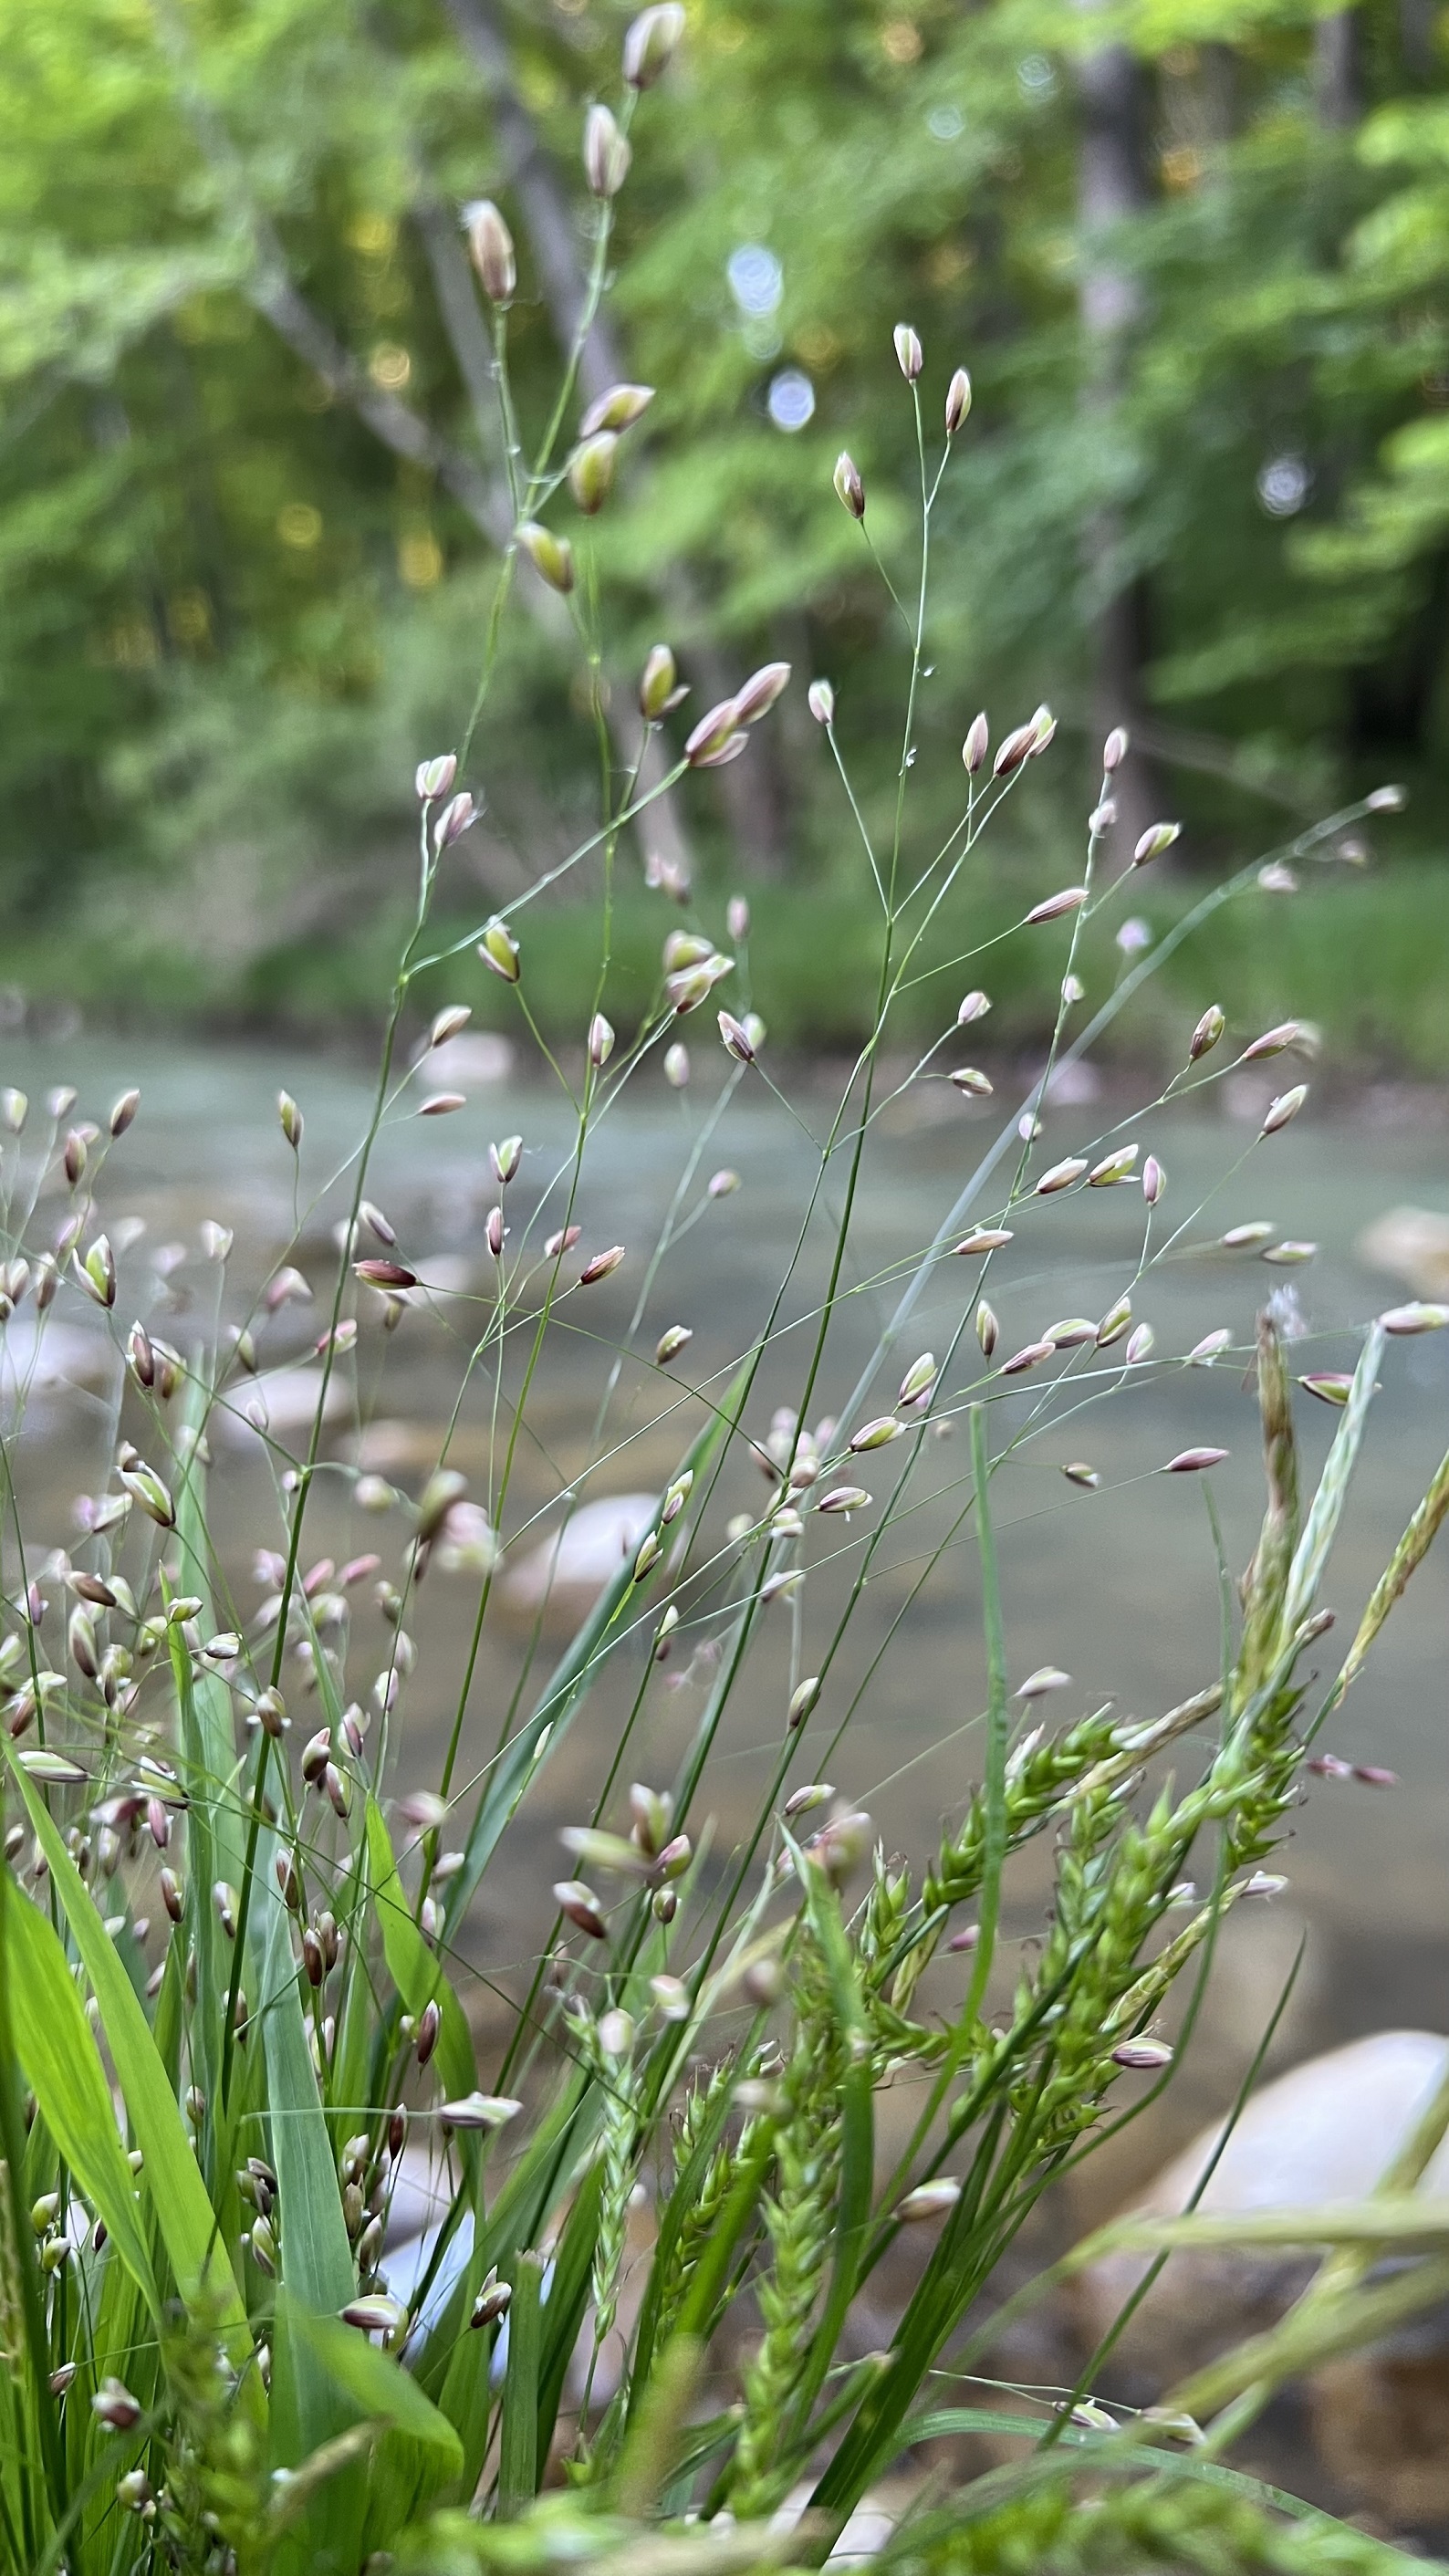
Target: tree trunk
x=1338, y=69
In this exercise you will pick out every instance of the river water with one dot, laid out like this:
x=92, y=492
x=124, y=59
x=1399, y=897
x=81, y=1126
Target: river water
x=1115, y=1587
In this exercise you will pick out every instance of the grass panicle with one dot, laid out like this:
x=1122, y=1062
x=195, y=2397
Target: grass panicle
x=301, y=2265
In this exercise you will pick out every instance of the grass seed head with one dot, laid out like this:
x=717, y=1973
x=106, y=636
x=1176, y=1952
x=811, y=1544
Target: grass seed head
x=651, y=42
x=1211, y=1347
x=909, y=356
x=499, y=951
x=617, y=409
x=718, y=738
x=115, y=2407
x=490, y=247
x=932, y=2199
x=919, y=1378
x=457, y=817
x=606, y=153
x=820, y=698
x=850, y=490
x=434, y=778
x=803, y=1699
x=877, y=1434
x=659, y=688
x=578, y=1903
x=552, y=557
x=958, y=401
x=987, y=1327
x=1028, y=1357
x=1331, y=1386
x=591, y=471
x=1157, y=838
x=1286, y=1106
x=1416, y=1317
x=1049, y=1677
x=760, y=691
x=1114, y=1323
x=1070, y=898
x=1289, y=1033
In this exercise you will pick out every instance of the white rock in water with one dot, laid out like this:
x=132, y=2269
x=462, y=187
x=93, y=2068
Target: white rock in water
x=276, y=1404
x=473, y=1061
x=1326, y=2131
x=1411, y=1244
x=586, y=1553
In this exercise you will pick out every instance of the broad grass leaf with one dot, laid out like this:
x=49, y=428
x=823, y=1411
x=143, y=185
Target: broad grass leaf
x=62, y=2065
x=171, y=2176
x=414, y=1969
x=419, y=2454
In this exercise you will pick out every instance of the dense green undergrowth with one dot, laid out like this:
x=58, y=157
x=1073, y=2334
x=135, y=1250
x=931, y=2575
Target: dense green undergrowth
x=1359, y=954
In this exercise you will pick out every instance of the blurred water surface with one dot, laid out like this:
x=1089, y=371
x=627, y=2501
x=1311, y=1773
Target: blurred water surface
x=1118, y=1587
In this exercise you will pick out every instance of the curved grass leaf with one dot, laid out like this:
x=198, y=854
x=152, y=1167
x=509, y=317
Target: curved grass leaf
x=57, y=2050
x=171, y=2176
x=415, y=1970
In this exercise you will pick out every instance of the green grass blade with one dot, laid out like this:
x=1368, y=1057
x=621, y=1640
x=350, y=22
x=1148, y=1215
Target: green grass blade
x=418, y=2456
x=1311, y=1554
x=994, y=1840
x=572, y=1678
x=857, y=2138
x=317, y=2269
x=57, y=2050
x=518, y=2442
x=172, y=2178
x=416, y=1971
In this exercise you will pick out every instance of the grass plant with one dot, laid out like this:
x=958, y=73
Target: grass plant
x=235, y=2014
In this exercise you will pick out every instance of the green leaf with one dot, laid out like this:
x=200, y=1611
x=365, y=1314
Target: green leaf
x=353, y=2386
x=518, y=2441
x=171, y=2176
x=1311, y=1554
x=414, y=1969
x=57, y=2050
x=317, y=2268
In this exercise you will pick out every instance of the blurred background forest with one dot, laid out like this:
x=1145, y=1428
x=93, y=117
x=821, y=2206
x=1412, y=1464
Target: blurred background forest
x=1195, y=254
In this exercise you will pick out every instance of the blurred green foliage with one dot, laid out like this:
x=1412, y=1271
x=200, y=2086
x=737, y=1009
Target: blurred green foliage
x=235, y=614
